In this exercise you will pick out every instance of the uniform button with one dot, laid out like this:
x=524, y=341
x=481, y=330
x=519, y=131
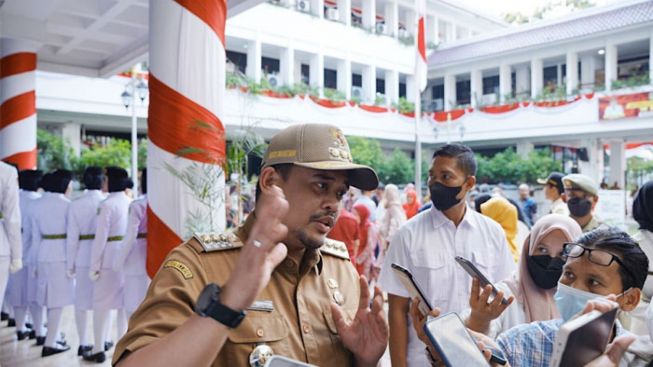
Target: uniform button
x=259, y=332
x=306, y=328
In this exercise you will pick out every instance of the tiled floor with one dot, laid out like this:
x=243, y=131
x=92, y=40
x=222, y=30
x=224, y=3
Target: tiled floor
x=24, y=353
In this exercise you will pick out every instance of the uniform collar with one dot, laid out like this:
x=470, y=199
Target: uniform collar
x=438, y=218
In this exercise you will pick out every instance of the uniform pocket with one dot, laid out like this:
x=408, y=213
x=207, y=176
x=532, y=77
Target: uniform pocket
x=260, y=329
x=429, y=271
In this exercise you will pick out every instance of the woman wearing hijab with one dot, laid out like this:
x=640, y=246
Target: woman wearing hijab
x=412, y=204
x=505, y=214
x=533, y=284
x=368, y=240
x=394, y=215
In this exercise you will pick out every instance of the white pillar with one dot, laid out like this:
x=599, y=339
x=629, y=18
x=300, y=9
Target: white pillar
x=450, y=99
x=430, y=29
x=17, y=94
x=537, y=77
x=286, y=64
x=369, y=83
x=72, y=132
x=344, y=77
x=594, y=166
x=559, y=75
x=524, y=148
x=436, y=31
x=572, y=72
x=587, y=71
x=611, y=58
x=316, y=72
x=505, y=81
x=344, y=11
x=522, y=81
x=391, y=15
x=391, y=86
x=317, y=8
x=369, y=14
x=411, y=22
x=253, y=69
x=617, y=162
x=454, y=32
x=410, y=88
x=297, y=71
x=476, y=86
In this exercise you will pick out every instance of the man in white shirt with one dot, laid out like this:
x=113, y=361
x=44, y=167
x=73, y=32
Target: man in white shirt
x=82, y=216
x=10, y=240
x=553, y=190
x=427, y=245
x=131, y=260
x=109, y=285
x=16, y=296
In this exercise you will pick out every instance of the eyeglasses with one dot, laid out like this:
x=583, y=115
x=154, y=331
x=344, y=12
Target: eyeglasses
x=596, y=256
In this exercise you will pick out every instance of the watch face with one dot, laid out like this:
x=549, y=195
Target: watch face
x=206, y=298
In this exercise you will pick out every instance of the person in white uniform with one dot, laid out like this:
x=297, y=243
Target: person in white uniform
x=108, y=288
x=428, y=243
x=28, y=181
x=82, y=217
x=132, y=256
x=54, y=289
x=11, y=250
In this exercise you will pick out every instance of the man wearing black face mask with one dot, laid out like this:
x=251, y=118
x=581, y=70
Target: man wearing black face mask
x=428, y=243
x=582, y=196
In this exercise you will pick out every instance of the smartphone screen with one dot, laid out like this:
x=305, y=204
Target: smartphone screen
x=456, y=346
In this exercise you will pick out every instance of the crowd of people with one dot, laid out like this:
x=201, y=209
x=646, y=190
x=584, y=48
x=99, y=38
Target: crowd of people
x=307, y=272
x=88, y=253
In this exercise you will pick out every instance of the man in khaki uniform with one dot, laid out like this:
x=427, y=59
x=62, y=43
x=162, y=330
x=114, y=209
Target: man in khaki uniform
x=303, y=298
x=582, y=196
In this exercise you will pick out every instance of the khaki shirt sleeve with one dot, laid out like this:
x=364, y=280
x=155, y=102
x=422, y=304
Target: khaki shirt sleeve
x=169, y=301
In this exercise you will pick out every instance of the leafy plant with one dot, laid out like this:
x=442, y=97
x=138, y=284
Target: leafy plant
x=334, y=95
x=379, y=100
x=116, y=152
x=404, y=106
x=54, y=152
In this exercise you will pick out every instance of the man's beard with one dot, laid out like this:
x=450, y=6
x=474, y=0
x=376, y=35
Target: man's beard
x=307, y=241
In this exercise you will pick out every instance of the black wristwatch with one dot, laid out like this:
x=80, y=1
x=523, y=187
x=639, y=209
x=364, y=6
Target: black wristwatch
x=208, y=305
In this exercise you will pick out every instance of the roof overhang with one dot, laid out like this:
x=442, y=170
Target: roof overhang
x=95, y=38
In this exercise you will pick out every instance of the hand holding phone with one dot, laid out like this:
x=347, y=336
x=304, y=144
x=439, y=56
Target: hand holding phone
x=456, y=347
x=474, y=272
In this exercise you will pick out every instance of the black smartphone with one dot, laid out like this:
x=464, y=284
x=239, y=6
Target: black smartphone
x=473, y=271
x=455, y=345
x=412, y=287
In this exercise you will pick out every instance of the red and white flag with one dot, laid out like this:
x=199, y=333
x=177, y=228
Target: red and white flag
x=421, y=67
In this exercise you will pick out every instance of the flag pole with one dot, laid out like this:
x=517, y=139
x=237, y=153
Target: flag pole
x=418, y=143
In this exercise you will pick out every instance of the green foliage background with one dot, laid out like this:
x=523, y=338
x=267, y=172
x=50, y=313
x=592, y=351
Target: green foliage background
x=510, y=167
x=54, y=152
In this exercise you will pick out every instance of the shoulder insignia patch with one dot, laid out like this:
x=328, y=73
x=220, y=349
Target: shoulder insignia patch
x=180, y=267
x=335, y=248
x=218, y=242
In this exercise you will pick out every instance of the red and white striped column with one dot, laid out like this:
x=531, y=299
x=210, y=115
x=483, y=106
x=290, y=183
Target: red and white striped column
x=187, y=77
x=18, y=103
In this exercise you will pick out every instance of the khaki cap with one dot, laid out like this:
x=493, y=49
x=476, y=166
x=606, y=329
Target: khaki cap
x=321, y=147
x=576, y=180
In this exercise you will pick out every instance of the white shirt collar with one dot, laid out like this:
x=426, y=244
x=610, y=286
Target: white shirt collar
x=438, y=218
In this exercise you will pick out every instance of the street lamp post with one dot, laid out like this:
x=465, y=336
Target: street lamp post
x=134, y=86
